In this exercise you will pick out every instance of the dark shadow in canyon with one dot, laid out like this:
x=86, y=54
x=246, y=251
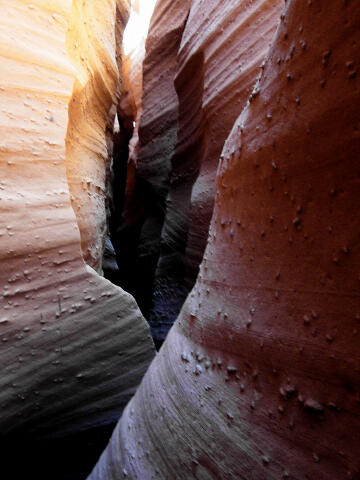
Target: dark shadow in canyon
x=171, y=286
x=148, y=258
x=67, y=458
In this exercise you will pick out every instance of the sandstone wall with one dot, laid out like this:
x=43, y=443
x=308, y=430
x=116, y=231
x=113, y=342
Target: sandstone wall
x=259, y=377
x=94, y=43
x=219, y=59
x=73, y=346
x=138, y=238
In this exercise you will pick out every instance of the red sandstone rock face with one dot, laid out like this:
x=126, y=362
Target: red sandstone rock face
x=219, y=60
x=259, y=377
x=73, y=347
x=138, y=238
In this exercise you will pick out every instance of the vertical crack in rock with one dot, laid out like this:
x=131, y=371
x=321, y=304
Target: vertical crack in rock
x=119, y=137
x=170, y=284
x=137, y=239
x=127, y=111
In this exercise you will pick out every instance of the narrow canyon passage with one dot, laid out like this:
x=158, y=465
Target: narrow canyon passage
x=179, y=239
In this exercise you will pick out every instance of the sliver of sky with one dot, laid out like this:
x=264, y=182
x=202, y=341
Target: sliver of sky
x=138, y=24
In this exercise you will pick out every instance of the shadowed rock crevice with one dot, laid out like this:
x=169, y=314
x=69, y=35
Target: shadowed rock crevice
x=120, y=137
x=171, y=288
x=137, y=238
x=196, y=77
x=66, y=458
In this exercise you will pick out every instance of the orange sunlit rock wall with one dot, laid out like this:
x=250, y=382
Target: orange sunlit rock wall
x=259, y=377
x=73, y=347
x=94, y=46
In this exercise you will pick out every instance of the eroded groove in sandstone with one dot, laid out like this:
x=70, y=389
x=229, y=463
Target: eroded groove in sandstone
x=128, y=110
x=94, y=46
x=259, y=377
x=169, y=289
x=223, y=36
x=138, y=238
x=73, y=347
x=124, y=166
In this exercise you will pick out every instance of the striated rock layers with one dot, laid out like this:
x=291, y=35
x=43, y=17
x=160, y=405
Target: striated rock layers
x=138, y=238
x=259, y=377
x=94, y=44
x=73, y=347
x=202, y=60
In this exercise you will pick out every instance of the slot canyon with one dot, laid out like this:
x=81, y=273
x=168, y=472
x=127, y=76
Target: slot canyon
x=180, y=239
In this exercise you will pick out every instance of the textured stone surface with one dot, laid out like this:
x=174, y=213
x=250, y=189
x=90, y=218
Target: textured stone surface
x=219, y=60
x=138, y=239
x=259, y=377
x=73, y=347
x=94, y=43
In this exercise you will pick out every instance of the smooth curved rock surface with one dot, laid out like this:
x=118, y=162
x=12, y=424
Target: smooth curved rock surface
x=259, y=377
x=73, y=347
x=222, y=48
x=94, y=43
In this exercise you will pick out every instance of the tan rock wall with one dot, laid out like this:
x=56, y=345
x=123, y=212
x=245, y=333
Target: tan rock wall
x=93, y=41
x=73, y=347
